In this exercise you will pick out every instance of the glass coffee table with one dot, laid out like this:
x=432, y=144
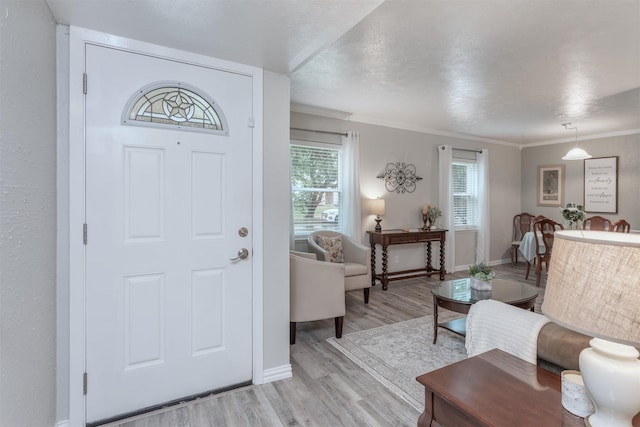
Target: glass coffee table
x=458, y=295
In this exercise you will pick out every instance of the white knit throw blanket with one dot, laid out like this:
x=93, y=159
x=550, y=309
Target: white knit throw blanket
x=494, y=324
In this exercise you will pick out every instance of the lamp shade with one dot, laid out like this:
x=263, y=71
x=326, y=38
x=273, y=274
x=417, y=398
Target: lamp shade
x=376, y=207
x=593, y=285
x=577, y=153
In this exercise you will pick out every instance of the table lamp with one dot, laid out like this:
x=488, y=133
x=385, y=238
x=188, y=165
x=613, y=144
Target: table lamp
x=593, y=287
x=376, y=207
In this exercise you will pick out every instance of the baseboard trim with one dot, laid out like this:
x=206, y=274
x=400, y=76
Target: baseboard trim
x=63, y=423
x=278, y=373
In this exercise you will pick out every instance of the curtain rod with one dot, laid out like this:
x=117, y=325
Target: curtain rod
x=467, y=149
x=321, y=131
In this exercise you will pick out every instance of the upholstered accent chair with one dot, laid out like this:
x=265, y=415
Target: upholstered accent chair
x=316, y=291
x=356, y=258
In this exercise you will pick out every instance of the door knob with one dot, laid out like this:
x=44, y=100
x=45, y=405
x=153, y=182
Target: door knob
x=242, y=254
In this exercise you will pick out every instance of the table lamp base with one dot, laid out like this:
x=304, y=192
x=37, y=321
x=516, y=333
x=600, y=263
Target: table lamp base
x=611, y=374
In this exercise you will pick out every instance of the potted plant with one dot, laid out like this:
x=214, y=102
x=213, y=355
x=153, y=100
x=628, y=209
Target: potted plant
x=482, y=274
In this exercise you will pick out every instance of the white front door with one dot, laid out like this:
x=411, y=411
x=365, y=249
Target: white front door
x=168, y=314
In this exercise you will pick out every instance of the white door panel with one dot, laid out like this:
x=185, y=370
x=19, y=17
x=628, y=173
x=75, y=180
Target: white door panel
x=168, y=313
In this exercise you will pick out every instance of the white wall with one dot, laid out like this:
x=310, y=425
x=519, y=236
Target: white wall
x=626, y=147
x=27, y=214
x=277, y=197
x=380, y=145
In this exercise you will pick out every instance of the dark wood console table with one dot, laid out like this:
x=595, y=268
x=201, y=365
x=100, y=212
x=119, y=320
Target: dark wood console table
x=386, y=238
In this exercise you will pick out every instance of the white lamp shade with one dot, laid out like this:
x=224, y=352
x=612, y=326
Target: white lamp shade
x=577, y=153
x=593, y=284
x=376, y=207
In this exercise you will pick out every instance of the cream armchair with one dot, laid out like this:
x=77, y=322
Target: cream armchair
x=357, y=260
x=316, y=291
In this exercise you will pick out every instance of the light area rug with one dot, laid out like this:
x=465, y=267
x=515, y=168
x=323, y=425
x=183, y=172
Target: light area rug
x=396, y=354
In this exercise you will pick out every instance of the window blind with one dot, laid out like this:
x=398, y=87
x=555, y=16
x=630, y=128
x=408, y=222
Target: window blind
x=465, y=194
x=316, y=188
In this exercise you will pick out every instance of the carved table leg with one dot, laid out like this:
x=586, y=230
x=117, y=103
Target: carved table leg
x=385, y=280
x=435, y=319
x=429, y=266
x=373, y=264
x=442, y=266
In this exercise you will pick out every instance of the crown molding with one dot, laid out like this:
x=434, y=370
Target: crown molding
x=320, y=111
x=409, y=127
x=342, y=115
x=584, y=138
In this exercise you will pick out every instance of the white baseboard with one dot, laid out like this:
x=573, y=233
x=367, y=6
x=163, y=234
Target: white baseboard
x=63, y=423
x=279, y=373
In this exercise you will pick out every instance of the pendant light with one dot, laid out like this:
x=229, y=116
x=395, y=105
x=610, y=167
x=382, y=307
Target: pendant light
x=576, y=153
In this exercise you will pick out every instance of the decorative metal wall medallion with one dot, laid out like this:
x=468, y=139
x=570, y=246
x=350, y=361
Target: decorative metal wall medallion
x=399, y=177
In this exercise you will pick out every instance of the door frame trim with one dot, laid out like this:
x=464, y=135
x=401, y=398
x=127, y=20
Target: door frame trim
x=75, y=195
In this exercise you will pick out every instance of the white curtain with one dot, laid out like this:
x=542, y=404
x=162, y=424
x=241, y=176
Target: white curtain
x=352, y=214
x=484, y=220
x=445, y=172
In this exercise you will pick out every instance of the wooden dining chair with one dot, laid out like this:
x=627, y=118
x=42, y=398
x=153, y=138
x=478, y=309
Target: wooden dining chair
x=621, y=226
x=543, y=231
x=596, y=223
x=522, y=223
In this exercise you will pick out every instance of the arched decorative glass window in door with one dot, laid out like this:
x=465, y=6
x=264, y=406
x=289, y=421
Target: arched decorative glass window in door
x=176, y=105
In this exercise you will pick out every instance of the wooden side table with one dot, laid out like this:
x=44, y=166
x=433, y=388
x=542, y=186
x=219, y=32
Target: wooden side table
x=386, y=238
x=495, y=389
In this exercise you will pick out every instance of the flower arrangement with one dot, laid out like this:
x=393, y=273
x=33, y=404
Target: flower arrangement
x=482, y=272
x=433, y=213
x=573, y=215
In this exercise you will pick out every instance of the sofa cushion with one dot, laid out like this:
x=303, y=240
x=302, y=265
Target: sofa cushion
x=333, y=246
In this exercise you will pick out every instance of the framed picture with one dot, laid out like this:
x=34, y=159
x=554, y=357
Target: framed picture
x=551, y=185
x=601, y=184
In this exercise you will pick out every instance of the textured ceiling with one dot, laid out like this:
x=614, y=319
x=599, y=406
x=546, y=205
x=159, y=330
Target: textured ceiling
x=504, y=70
x=278, y=35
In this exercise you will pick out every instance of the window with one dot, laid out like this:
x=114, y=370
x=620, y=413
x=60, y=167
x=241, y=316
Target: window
x=465, y=194
x=177, y=105
x=316, y=187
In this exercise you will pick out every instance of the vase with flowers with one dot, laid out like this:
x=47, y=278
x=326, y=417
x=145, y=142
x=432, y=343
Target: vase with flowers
x=429, y=216
x=573, y=216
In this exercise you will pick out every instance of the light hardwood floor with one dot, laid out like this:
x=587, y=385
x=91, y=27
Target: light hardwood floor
x=327, y=389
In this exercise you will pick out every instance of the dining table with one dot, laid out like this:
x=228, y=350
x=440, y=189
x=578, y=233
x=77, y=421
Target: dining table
x=528, y=246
